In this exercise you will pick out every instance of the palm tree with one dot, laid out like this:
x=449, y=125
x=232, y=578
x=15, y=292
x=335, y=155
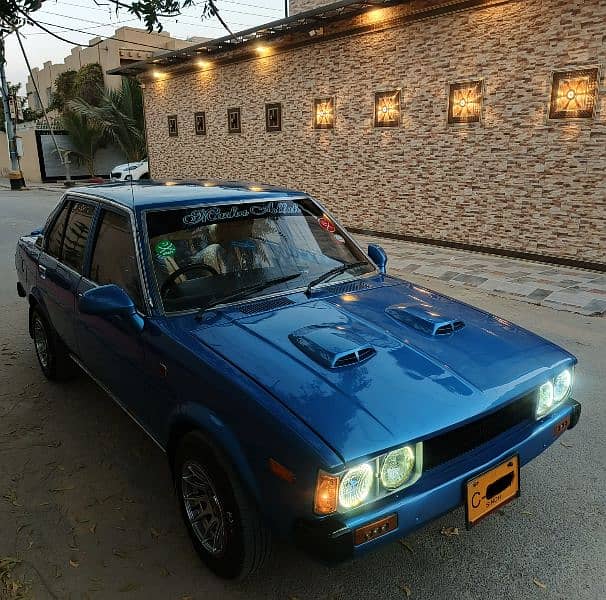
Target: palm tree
x=120, y=116
x=86, y=139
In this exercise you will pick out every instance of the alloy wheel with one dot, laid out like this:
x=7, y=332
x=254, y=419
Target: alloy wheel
x=41, y=342
x=203, y=507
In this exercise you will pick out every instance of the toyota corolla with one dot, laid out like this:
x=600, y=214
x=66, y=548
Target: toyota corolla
x=297, y=388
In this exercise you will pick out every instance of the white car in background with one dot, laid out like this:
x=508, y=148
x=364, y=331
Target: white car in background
x=130, y=171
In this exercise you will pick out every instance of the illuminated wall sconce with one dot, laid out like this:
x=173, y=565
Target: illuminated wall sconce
x=273, y=117
x=387, y=109
x=324, y=113
x=574, y=94
x=465, y=103
x=234, y=124
x=200, y=123
x=173, y=129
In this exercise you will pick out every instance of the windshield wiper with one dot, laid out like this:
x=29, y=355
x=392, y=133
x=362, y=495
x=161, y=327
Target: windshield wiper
x=245, y=291
x=333, y=273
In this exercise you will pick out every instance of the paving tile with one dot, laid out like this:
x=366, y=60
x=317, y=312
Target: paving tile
x=539, y=294
x=572, y=298
x=449, y=275
x=432, y=271
x=474, y=280
x=517, y=289
x=596, y=306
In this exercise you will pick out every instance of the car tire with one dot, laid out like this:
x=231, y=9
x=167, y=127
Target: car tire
x=53, y=356
x=222, y=520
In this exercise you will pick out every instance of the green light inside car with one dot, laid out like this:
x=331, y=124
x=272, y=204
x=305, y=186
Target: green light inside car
x=165, y=249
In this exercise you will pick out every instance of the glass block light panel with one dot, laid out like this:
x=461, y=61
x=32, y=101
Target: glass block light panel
x=173, y=129
x=234, y=124
x=273, y=117
x=574, y=94
x=465, y=103
x=387, y=109
x=324, y=113
x=200, y=123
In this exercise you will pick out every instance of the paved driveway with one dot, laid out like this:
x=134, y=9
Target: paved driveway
x=87, y=510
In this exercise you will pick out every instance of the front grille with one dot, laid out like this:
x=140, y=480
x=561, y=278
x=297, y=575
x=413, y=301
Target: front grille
x=449, y=445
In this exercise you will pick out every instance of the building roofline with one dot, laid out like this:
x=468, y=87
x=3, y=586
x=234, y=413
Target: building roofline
x=268, y=31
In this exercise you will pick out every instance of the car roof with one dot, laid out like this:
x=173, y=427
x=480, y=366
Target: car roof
x=149, y=193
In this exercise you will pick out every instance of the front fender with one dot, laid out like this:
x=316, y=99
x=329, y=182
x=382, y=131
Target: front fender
x=193, y=416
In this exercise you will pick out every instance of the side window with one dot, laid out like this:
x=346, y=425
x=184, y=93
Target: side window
x=76, y=235
x=55, y=235
x=114, y=259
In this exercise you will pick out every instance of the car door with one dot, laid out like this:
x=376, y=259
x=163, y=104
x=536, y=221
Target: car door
x=108, y=346
x=61, y=263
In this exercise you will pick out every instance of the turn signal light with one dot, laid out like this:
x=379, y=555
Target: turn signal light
x=327, y=491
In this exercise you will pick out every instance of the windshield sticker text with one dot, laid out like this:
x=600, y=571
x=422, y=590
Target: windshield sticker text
x=220, y=213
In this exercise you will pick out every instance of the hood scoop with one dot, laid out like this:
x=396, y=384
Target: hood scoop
x=425, y=319
x=333, y=345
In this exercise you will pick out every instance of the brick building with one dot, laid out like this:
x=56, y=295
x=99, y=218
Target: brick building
x=474, y=123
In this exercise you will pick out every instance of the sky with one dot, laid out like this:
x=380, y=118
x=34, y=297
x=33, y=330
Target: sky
x=99, y=19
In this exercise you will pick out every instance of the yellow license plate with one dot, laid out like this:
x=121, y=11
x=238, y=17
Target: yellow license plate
x=492, y=489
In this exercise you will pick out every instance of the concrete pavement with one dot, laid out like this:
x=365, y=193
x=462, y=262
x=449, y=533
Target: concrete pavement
x=87, y=508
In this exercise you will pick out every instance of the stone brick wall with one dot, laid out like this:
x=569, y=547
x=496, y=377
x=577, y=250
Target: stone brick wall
x=517, y=182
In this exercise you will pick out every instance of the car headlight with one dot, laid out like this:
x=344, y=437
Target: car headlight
x=552, y=393
x=561, y=385
x=355, y=486
x=397, y=467
x=368, y=481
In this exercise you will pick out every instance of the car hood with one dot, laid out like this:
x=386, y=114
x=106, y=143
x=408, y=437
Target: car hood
x=369, y=369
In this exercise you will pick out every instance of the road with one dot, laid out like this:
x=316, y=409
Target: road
x=87, y=508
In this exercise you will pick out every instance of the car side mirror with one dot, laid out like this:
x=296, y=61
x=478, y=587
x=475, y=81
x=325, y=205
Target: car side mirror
x=108, y=300
x=378, y=256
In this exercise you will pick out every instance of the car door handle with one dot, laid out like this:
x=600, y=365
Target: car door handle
x=42, y=271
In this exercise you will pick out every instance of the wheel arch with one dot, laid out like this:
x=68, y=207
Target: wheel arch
x=221, y=443
x=34, y=303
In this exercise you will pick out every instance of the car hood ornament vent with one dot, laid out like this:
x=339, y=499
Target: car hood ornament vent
x=332, y=346
x=424, y=319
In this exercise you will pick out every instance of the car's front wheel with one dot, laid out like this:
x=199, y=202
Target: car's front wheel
x=53, y=356
x=222, y=520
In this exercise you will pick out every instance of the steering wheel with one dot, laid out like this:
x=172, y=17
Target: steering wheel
x=170, y=280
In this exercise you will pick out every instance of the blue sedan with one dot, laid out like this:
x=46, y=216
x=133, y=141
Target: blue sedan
x=297, y=389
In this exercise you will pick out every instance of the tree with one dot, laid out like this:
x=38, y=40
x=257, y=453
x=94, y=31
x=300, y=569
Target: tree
x=29, y=114
x=119, y=115
x=14, y=13
x=86, y=139
x=88, y=83
x=65, y=90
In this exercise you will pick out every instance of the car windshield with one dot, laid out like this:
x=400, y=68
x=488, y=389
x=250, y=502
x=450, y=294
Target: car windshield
x=205, y=254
